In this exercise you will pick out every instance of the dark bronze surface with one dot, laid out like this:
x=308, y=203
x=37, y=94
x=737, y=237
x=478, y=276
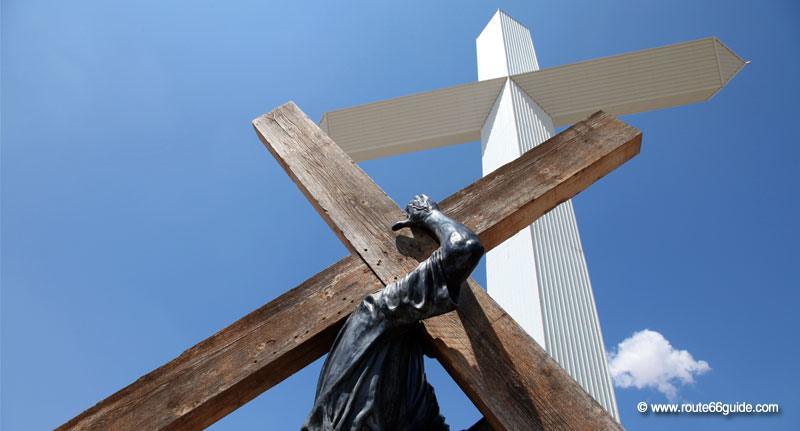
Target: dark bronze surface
x=374, y=376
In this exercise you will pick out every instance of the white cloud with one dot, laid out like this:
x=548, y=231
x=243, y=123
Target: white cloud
x=647, y=359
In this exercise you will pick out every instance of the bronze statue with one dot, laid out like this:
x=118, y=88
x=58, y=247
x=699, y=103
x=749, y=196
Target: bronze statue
x=374, y=376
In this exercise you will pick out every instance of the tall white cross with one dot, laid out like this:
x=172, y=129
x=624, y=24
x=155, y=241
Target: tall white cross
x=539, y=276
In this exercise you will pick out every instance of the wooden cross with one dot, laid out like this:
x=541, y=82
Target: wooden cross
x=510, y=378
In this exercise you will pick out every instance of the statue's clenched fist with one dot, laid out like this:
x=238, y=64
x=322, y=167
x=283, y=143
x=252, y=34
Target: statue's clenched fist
x=417, y=211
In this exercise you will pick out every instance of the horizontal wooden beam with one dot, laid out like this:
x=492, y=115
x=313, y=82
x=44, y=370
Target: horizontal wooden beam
x=482, y=347
x=238, y=363
x=248, y=357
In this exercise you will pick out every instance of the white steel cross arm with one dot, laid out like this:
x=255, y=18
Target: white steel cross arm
x=634, y=82
x=539, y=276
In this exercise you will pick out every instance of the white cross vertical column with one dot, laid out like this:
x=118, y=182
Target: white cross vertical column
x=539, y=276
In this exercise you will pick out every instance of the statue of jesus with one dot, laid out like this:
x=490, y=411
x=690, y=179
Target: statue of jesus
x=374, y=377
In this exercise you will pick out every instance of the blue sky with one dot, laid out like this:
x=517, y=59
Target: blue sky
x=140, y=213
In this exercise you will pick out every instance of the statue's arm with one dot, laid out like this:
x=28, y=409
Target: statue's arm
x=460, y=248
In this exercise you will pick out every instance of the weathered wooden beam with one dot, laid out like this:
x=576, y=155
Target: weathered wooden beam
x=248, y=357
x=482, y=348
x=238, y=363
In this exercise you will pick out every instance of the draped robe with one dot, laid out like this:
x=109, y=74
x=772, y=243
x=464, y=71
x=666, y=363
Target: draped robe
x=374, y=378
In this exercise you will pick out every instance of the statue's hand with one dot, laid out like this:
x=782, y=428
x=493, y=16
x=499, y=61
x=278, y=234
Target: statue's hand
x=417, y=211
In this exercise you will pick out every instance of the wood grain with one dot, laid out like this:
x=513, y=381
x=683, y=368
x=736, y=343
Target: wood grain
x=241, y=361
x=253, y=354
x=485, y=351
